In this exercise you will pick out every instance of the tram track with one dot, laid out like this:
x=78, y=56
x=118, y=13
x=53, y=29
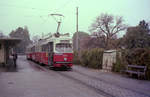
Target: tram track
x=97, y=89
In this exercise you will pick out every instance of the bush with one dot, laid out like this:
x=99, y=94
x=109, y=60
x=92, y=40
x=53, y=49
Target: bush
x=92, y=58
x=139, y=56
x=120, y=64
x=84, y=58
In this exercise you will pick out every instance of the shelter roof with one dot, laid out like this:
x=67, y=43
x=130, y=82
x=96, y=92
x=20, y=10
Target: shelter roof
x=10, y=41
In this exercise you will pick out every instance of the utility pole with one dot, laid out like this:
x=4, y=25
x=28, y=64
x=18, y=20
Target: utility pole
x=77, y=39
x=42, y=35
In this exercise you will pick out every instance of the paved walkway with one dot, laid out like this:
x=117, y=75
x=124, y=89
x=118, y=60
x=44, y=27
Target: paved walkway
x=30, y=80
x=122, y=81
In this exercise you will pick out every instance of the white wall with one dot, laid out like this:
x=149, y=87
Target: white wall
x=108, y=59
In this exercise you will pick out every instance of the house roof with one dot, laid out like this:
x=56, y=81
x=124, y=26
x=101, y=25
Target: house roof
x=110, y=51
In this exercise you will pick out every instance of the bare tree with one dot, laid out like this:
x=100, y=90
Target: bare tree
x=108, y=26
x=23, y=34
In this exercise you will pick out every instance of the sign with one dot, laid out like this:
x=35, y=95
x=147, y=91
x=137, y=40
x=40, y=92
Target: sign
x=64, y=41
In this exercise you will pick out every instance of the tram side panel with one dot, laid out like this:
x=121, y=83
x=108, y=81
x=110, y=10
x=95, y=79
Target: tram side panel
x=43, y=58
x=30, y=56
x=33, y=56
x=28, y=53
x=38, y=57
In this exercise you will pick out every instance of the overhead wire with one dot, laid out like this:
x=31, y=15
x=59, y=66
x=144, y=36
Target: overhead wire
x=55, y=10
x=61, y=7
x=39, y=9
x=23, y=7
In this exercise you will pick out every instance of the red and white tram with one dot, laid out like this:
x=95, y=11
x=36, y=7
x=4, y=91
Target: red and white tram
x=54, y=51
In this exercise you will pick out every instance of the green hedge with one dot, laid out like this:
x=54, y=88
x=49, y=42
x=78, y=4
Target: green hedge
x=120, y=64
x=137, y=56
x=92, y=58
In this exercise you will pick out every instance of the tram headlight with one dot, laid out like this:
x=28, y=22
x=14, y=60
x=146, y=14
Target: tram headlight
x=65, y=59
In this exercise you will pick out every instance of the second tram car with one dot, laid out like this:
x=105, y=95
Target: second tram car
x=54, y=51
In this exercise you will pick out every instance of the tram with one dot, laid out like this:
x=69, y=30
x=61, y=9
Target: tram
x=53, y=51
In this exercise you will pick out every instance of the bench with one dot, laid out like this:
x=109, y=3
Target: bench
x=138, y=70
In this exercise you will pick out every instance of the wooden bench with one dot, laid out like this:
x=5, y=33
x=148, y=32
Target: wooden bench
x=138, y=70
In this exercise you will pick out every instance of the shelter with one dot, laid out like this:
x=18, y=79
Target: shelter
x=6, y=43
x=109, y=57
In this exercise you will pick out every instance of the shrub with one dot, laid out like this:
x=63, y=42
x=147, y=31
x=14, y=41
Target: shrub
x=92, y=58
x=84, y=58
x=139, y=56
x=120, y=64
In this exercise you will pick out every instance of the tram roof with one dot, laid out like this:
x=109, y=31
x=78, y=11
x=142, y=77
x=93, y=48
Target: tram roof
x=51, y=38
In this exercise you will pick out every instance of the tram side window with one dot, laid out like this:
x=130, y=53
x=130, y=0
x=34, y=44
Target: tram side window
x=44, y=47
x=33, y=49
x=29, y=50
x=47, y=47
x=50, y=47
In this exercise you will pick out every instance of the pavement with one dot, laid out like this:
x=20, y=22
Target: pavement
x=32, y=80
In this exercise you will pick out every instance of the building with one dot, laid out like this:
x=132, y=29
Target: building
x=6, y=44
x=109, y=57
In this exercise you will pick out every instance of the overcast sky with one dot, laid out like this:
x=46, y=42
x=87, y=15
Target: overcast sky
x=34, y=13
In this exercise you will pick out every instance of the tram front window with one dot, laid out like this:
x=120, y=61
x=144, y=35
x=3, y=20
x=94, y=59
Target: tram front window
x=64, y=48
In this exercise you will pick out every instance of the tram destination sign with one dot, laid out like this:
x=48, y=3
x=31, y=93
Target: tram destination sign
x=64, y=41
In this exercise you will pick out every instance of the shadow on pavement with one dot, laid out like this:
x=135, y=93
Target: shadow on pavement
x=9, y=67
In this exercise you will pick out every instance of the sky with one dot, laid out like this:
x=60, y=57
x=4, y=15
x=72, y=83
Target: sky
x=35, y=14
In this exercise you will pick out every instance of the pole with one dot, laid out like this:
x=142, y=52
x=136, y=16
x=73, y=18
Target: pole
x=77, y=39
x=58, y=21
x=58, y=27
x=42, y=35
